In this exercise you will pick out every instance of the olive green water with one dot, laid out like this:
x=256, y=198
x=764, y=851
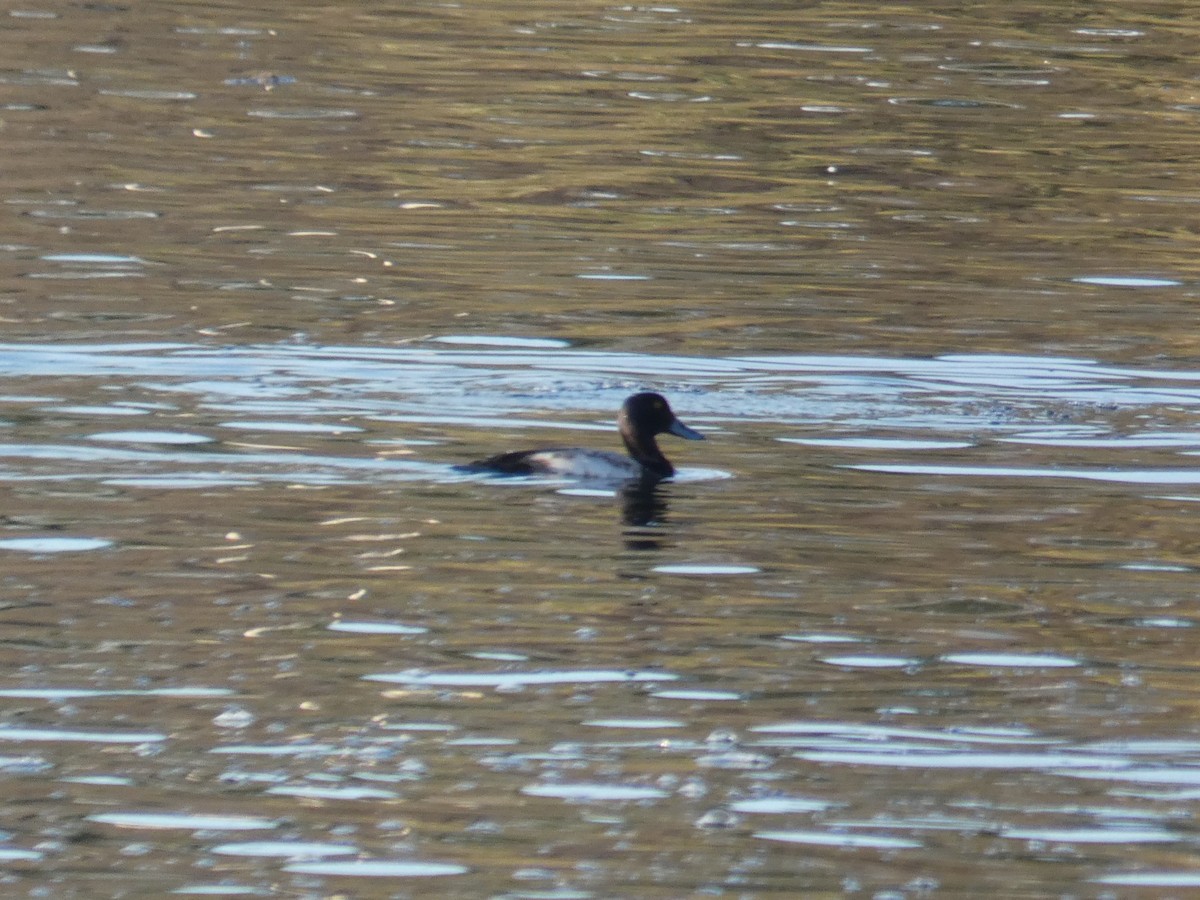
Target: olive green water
x=917, y=620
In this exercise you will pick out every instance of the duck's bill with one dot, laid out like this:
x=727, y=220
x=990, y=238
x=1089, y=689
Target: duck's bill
x=678, y=429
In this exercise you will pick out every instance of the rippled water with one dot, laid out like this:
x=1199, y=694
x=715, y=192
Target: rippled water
x=915, y=620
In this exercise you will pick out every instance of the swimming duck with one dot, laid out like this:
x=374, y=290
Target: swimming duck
x=642, y=418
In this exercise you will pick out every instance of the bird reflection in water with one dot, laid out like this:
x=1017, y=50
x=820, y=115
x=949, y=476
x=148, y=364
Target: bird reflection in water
x=644, y=511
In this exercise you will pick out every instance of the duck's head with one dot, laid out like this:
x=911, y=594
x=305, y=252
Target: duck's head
x=650, y=414
x=643, y=417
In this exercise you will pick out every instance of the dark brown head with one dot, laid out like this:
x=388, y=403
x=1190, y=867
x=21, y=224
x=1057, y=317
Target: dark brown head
x=642, y=418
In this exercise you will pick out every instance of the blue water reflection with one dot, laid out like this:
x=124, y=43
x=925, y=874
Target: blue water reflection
x=270, y=392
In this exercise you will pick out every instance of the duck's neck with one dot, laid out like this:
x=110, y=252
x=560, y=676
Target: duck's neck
x=645, y=451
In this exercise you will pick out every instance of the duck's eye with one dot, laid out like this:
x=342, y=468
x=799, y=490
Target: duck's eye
x=658, y=404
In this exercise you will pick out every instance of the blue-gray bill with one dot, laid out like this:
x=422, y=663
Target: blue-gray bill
x=678, y=429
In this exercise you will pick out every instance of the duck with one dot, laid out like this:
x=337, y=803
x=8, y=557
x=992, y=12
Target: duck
x=642, y=418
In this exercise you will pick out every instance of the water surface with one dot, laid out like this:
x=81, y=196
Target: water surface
x=915, y=620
